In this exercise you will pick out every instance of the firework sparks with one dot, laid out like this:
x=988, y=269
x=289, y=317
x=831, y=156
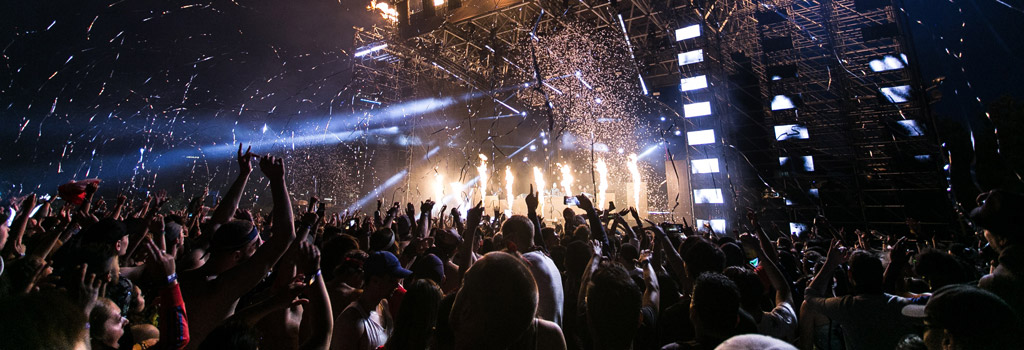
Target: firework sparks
x=634, y=172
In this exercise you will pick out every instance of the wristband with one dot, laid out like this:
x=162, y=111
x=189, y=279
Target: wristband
x=172, y=278
x=312, y=278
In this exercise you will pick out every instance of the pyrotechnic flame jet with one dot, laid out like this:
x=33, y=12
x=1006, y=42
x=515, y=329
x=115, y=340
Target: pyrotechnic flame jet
x=602, y=185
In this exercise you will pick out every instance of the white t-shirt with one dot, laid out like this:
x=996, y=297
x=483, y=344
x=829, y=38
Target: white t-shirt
x=779, y=323
x=549, y=286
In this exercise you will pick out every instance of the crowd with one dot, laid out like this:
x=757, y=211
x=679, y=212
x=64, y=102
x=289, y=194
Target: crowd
x=147, y=276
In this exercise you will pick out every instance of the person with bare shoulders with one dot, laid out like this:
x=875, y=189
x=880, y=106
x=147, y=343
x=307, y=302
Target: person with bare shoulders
x=366, y=323
x=237, y=262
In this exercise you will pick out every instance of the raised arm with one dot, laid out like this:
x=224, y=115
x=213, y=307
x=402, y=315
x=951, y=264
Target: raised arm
x=227, y=206
x=320, y=315
x=782, y=292
x=15, y=246
x=532, y=202
x=595, y=261
x=675, y=262
x=652, y=291
x=465, y=256
x=815, y=298
x=596, y=228
x=240, y=279
x=173, y=318
x=765, y=242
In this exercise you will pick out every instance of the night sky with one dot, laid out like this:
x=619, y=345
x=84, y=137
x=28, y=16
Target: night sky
x=122, y=88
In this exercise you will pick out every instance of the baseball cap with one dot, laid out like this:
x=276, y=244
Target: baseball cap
x=382, y=239
x=966, y=310
x=999, y=211
x=382, y=263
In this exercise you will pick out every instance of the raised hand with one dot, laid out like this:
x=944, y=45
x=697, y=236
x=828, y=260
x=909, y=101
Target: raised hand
x=245, y=160
x=532, y=200
x=837, y=254
x=162, y=264
x=88, y=288
x=92, y=187
x=426, y=207
x=474, y=214
x=272, y=167
x=585, y=203
x=307, y=258
x=410, y=211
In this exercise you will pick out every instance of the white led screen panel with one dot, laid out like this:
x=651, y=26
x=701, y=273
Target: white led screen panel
x=708, y=196
x=698, y=109
x=688, y=32
x=791, y=131
x=690, y=57
x=782, y=102
x=694, y=83
x=700, y=137
x=897, y=94
x=717, y=225
x=704, y=166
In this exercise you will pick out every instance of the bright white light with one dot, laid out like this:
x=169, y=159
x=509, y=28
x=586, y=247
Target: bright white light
x=678, y=132
x=370, y=50
x=813, y=192
x=897, y=94
x=438, y=187
x=701, y=137
x=620, y=150
x=438, y=2
x=717, y=225
x=781, y=102
x=704, y=166
x=698, y=109
x=808, y=162
x=533, y=148
x=688, y=32
x=509, y=179
x=567, y=178
x=708, y=196
x=634, y=171
x=689, y=57
x=482, y=172
x=602, y=185
x=796, y=228
x=662, y=118
x=598, y=100
x=538, y=177
x=886, y=63
x=694, y=83
x=264, y=128
x=791, y=131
